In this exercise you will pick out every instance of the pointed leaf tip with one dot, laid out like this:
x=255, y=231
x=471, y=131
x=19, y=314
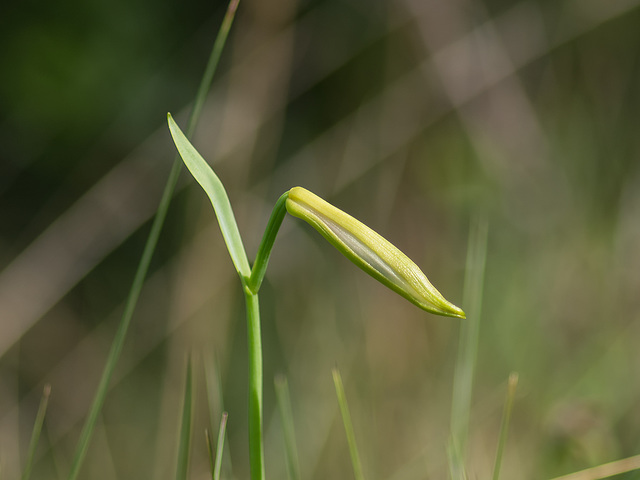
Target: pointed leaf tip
x=214, y=189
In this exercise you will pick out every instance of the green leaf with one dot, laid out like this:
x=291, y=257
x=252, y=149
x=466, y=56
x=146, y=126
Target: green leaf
x=212, y=185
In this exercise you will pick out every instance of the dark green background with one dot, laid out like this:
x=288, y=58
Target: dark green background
x=352, y=100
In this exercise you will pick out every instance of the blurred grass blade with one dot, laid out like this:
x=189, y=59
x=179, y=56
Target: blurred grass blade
x=348, y=426
x=212, y=455
x=213, y=384
x=147, y=253
x=212, y=185
x=212, y=65
x=286, y=413
x=184, y=445
x=504, y=425
x=217, y=467
x=213, y=387
x=35, y=435
x=468, y=347
x=457, y=470
x=605, y=471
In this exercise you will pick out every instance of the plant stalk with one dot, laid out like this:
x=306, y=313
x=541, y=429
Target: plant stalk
x=256, y=449
x=268, y=239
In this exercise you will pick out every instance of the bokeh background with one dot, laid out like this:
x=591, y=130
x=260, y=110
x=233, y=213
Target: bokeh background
x=415, y=116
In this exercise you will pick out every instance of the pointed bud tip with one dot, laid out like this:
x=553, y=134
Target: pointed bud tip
x=369, y=251
x=444, y=308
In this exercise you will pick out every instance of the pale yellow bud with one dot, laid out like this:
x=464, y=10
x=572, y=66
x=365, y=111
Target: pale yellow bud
x=369, y=251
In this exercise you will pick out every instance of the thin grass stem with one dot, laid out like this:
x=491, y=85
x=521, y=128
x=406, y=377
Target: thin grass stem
x=468, y=347
x=147, y=253
x=605, y=470
x=212, y=460
x=184, y=445
x=217, y=468
x=214, y=395
x=457, y=469
x=286, y=414
x=37, y=429
x=212, y=66
x=504, y=425
x=348, y=425
x=212, y=384
x=123, y=327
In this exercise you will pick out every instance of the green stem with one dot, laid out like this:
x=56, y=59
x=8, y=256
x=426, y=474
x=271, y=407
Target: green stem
x=256, y=450
x=468, y=347
x=504, y=426
x=251, y=287
x=269, y=237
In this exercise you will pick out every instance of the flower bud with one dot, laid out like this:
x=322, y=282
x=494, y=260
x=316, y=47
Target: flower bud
x=369, y=251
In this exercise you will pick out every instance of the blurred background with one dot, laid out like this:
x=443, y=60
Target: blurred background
x=414, y=116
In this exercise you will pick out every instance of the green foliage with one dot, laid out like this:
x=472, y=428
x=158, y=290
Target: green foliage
x=411, y=118
x=348, y=425
x=467, y=349
x=288, y=429
x=504, y=425
x=35, y=435
x=212, y=185
x=358, y=242
x=217, y=466
x=142, y=269
x=186, y=421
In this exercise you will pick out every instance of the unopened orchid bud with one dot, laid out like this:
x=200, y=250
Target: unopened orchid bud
x=369, y=251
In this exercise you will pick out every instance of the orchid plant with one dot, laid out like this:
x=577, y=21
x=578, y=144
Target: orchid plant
x=359, y=243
